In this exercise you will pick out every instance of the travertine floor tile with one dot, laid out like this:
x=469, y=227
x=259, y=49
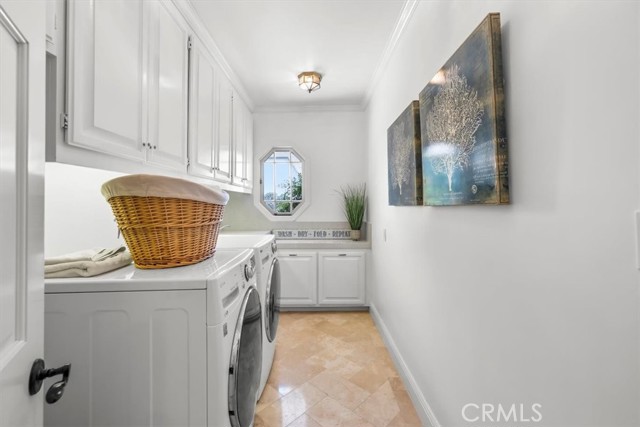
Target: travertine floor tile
x=332, y=369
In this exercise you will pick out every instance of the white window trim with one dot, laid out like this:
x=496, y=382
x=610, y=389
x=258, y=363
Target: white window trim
x=306, y=196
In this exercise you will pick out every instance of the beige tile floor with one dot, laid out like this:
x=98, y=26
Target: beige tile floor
x=332, y=369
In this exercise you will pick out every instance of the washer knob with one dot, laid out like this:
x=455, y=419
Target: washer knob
x=274, y=247
x=249, y=271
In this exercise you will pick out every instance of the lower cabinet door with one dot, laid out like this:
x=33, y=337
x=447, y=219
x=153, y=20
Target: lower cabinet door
x=298, y=278
x=137, y=358
x=341, y=278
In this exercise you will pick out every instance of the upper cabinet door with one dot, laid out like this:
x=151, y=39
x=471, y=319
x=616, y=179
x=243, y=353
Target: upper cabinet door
x=209, y=116
x=248, y=150
x=105, y=76
x=202, y=111
x=224, y=148
x=238, y=140
x=168, y=87
x=242, y=143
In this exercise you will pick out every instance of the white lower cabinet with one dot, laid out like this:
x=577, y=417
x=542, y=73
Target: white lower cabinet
x=341, y=278
x=137, y=358
x=298, y=278
x=322, y=278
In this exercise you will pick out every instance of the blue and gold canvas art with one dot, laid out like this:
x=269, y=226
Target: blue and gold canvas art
x=462, y=121
x=405, y=159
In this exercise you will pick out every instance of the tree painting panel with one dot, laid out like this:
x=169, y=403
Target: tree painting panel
x=404, y=152
x=462, y=122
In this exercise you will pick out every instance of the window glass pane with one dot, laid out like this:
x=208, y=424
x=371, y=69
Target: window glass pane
x=296, y=182
x=282, y=156
x=283, y=207
x=282, y=179
x=268, y=188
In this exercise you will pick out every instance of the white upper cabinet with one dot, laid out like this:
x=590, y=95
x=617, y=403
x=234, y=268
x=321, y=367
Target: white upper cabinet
x=225, y=142
x=210, y=117
x=105, y=73
x=139, y=99
x=242, y=143
x=127, y=80
x=168, y=87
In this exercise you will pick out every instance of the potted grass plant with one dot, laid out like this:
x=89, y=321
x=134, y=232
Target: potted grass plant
x=354, y=199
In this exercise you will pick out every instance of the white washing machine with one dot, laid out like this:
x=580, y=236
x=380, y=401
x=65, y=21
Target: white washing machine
x=170, y=347
x=265, y=249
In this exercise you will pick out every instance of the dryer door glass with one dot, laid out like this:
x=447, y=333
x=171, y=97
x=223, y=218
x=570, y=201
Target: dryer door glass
x=272, y=301
x=245, y=366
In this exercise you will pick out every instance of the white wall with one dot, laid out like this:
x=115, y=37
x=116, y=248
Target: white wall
x=536, y=302
x=333, y=145
x=76, y=215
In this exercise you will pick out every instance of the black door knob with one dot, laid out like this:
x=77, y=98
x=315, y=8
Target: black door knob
x=55, y=392
x=39, y=373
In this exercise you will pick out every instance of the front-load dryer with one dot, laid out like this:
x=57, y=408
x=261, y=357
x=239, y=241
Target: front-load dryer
x=234, y=347
x=268, y=282
x=176, y=346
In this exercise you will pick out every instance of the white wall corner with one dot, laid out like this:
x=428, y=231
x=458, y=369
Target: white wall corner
x=419, y=402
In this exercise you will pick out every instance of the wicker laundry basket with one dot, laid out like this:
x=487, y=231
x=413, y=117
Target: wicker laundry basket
x=166, y=222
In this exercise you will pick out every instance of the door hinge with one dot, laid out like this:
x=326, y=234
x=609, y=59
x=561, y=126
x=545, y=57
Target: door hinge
x=189, y=43
x=64, y=121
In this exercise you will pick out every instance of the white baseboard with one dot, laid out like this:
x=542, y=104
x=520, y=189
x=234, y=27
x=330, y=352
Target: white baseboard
x=419, y=402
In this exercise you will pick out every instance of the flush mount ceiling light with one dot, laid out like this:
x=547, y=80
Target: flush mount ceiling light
x=309, y=81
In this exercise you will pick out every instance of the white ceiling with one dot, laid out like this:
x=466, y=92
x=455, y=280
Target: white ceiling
x=268, y=42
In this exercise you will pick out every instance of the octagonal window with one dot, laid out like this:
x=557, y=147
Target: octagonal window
x=282, y=175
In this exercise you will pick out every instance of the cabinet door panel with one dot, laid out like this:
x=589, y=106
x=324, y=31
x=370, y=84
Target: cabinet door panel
x=137, y=358
x=298, y=278
x=224, y=146
x=341, y=278
x=202, y=112
x=105, y=76
x=248, y=150
x=168, y=96
x=239, y=130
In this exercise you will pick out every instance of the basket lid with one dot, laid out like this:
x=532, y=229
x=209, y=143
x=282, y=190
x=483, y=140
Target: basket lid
x=162, y=186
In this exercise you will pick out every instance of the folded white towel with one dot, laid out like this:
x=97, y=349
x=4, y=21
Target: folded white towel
x=87, y=267
x=95, y=254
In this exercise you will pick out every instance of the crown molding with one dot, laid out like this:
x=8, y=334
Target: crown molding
x=404, y=18
x=200, y=30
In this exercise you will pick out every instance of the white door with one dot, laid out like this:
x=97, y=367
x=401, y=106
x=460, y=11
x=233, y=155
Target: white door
x=22, y=95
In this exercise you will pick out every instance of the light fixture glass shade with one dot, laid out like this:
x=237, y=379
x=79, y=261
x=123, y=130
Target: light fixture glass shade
x=309, y=81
